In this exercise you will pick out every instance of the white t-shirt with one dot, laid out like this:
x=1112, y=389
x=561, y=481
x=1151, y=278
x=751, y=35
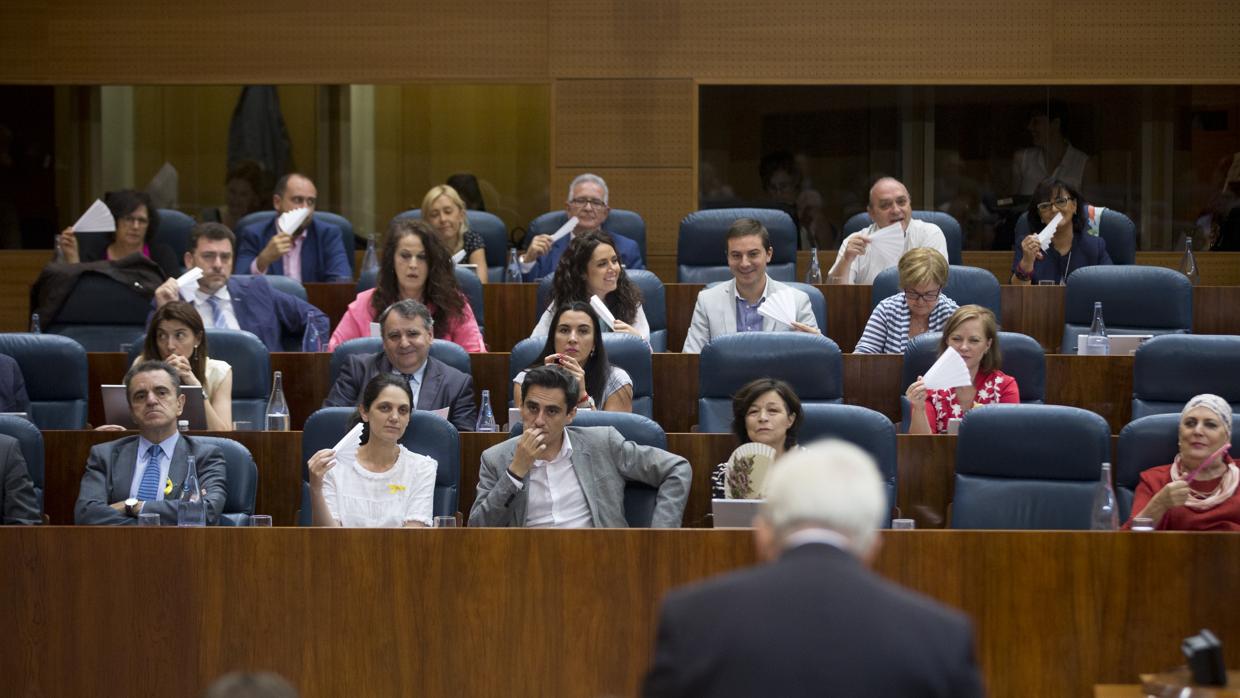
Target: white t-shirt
x=868, y=266
x=358, y=498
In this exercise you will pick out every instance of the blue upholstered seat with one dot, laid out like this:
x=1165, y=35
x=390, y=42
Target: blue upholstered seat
x=54, y=369
x=965, y=285
x=702, y=248
x=1170, y=369
x=242, y=476
x=1135, y=299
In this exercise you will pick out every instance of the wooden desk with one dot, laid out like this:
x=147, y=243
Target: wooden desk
x=436, y=613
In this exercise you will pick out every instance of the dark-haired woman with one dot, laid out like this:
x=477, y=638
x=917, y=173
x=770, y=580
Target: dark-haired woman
x=176, y=337
x=765, y=411
x=414, y=264
x=1074, y=245
x=136, y=225
x=591, y=267
x=576, y=345
x=379, y=483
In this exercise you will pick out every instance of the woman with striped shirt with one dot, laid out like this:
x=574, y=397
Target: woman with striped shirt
x=918, y=308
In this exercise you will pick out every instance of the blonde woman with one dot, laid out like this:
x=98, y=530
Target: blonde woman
x=444, y=209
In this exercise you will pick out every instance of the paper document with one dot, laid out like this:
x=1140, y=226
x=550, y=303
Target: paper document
x=887, y=243
x=1048, y=232
x=290, y=221
x=97, y=219
x=780, y=307
x=458, y=257
x=569, y=226
x=603, y=312
x=190, y=278
x=949, y=371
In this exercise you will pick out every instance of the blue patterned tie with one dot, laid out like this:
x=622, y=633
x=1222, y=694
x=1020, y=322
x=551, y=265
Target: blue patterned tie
x=218, y=321
x=148, y=491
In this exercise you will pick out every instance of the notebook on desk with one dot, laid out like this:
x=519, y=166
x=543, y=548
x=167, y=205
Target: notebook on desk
x=734, y=513
x=116, y=407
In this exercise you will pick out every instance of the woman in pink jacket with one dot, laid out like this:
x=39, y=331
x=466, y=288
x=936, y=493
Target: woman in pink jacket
x=414, y=264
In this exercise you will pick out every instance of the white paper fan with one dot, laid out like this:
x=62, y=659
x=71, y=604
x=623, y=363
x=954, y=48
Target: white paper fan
x=189, y=279
x=290, y=221
x=97, y=219
x=1048, y=232
x=780, y=307
x=351, y=441
x=458, y=257
x=603, y=312
x=949, y=371
x=746, y=471
x=569, y=226
x=886, y=244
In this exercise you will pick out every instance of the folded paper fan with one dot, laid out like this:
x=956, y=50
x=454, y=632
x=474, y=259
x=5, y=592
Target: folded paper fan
x=458, y=257
x=780, y=307
x=1048, y=232
x=97, y=219
x=603, y=312
x=746, y=471
x=887, y=243
x=351, y=441
x=950, y=371
x=569, y=226
x=290, y=221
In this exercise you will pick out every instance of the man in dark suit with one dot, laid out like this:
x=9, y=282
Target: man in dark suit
x=587, y=200
x=13, y=397
x=239, y=302
x=407, y=335
x=315, y=251
x=814, y=621
x=18, y=503
x=144, y=474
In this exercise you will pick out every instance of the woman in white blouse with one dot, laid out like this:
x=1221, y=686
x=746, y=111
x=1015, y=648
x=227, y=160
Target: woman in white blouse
x=919, y=307
x=379, y=483
x=591, y=267
x=577, y=346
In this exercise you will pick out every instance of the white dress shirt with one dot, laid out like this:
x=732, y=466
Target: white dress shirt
x=199, y=298
x=867, y=266
x=555, y=499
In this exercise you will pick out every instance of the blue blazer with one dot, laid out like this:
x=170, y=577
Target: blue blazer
x=270, y=314
x=1087, y=250
x=630, y=256
x=322, y=255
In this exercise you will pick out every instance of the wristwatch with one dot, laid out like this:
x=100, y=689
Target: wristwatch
x=129, y=507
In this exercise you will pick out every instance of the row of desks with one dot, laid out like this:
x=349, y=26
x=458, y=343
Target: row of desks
x=1102, y=384
x=925, y=471
x=474, y=612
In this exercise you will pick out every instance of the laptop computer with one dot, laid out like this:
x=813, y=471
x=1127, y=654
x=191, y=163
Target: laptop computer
x=734, y=513
x=116, y=406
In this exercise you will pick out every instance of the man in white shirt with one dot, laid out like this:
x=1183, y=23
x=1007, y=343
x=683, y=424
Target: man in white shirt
x=889, y=203
x=732, y=307
x=557, y=476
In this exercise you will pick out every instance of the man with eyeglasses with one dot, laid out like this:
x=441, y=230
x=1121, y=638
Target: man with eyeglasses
x=315, y=251
x=889, y=203
x=587, y=200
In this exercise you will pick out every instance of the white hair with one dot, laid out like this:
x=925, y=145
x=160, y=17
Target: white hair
x=833, y=485
x=582, y=179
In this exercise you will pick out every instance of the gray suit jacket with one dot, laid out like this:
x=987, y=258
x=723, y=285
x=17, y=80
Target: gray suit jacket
x=714, y=315
x=109, y=474
x=442, y=386
x=18, y=503
x=603, y=461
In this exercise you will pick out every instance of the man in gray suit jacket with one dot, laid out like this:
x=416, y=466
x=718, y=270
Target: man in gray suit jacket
x=143, y=474
x=733, y=306
x=407, y=341
x=553, y=475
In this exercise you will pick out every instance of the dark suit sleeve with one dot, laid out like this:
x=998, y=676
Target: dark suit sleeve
x=631, y=255
x=17, y=400
x=166, y=259
x=966, y=680
x=249, y=244
x=348, y=385
x=293, y=314
x=463, y=413
x=20, y=504
x=92, y=503
x=335, y=248
x=664, y=677
x=209, y=463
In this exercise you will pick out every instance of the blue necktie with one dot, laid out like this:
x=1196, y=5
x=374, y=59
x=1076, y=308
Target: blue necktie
x=218, y=321
x=148, y=491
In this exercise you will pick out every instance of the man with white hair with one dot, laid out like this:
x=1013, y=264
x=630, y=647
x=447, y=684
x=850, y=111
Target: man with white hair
x=587, y=200
x=814, y=621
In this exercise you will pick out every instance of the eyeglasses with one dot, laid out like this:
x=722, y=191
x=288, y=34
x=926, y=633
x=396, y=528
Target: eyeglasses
x=584, y=202
x=135, y=220
x=929, y=296
x=1061, y=203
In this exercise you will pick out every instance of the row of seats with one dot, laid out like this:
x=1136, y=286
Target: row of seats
x=1167, y=371
x=1016, y=466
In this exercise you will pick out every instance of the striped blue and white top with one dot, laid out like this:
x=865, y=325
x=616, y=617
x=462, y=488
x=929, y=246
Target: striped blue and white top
x=886, y=332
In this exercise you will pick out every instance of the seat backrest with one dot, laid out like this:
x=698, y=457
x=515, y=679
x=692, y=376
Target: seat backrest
x=30, y=441
x=1145, y=443
x=946, y=222
x=633, y=355
x=861, y=426
x=251, y=370
x=1023, y=359
x=654, y=303
x=965, y=285
x=54, y=369
x=524, y=354
x=494, y=236
x=469, y=282
x=174, y=230
x=101, y=313
x=427, y=434
x=1116, y=230
x=287, y=284
x=242, y=476
x=1028, y=467
x=1170, y=369
x=619, y=221
x=346, y=239
x=1136, y=299
x=702, y=250
x=450, y=353
x=731, y=361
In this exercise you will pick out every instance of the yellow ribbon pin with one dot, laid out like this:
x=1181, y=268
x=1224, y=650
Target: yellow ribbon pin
x=168, y=486
x=394, y=488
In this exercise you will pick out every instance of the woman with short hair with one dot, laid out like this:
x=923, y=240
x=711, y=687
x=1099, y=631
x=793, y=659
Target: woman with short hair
x=919, y=307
